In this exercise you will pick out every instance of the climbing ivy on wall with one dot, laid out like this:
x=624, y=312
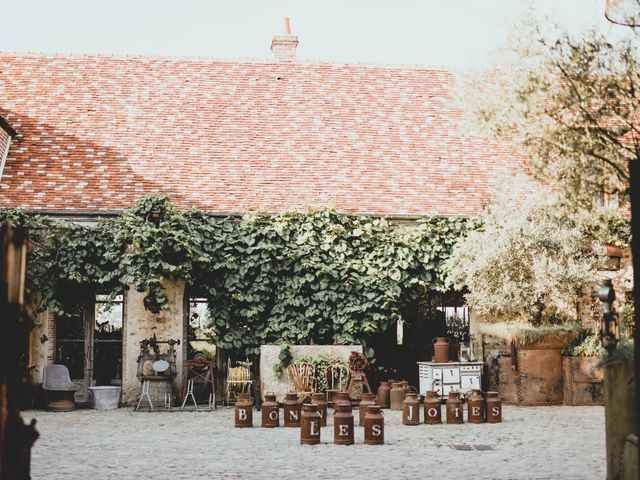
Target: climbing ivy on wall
x=292, y=276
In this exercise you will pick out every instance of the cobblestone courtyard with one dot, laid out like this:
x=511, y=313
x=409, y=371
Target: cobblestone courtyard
x=531, y=443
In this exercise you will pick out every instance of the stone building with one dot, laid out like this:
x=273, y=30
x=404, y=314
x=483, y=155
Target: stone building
x=83, y=136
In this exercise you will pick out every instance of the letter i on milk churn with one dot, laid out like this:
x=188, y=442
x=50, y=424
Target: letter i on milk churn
x=432, y=408
x=310, y=425
x=291, y=410
x=411, y=409
x=318, y=398
x=243, y=412
x=494, y=407
x=343, y=425
x=454, y=408
x=270, y=411
x=374, y=426
x=475, y=407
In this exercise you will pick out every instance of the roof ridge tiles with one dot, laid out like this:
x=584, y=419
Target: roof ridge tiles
x=268, y=61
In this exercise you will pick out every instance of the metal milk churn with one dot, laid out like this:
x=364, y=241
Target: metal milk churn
x=441, y=349
x=411, y=409
x=494, y=407
x=310, y=425
x=397, y=394
x=343, y=425
x=432, y=408
x=342, y=397
x=454, y=408
x=374, y=426
x=243, y=411
x=291, y=410
x=317, y=398
x=475, y=407
x=270, y=411
x=383, y=395
x=367, y=400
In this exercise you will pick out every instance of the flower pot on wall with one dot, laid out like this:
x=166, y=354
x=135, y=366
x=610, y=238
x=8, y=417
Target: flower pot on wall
x=583, y=381
x=539, y=378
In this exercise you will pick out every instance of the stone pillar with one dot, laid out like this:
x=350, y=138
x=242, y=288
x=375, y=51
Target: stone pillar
x=42, y=353
x=140, y=324
x=619, y=412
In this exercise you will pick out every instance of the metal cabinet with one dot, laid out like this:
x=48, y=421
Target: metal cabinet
x=445, y=377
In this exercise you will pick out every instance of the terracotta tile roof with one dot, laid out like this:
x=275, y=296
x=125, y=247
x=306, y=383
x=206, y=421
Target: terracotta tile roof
x=97, y=132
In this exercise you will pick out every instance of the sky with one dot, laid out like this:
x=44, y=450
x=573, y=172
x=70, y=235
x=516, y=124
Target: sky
x=427, y=32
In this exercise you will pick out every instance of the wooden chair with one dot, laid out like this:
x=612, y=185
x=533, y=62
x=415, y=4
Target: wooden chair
x=239, y=377
x=302, y=377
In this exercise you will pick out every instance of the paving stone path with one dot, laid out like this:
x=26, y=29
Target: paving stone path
x=531, y=443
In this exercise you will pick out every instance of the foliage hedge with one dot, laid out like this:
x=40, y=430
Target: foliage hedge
x=292, y=276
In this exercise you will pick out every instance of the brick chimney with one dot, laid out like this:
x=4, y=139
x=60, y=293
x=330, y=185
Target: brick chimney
x=284, y=46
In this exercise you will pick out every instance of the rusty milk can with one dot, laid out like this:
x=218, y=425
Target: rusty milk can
x=310, y=425
x=318, y=398
x=367, y=399
x=270, y=411
x=494, y=407
x=243, y=411
x=475, y=407
x=342, y=397
x=432, y=408
x=397, y=394
x=411, y=409
x=291, y=410
x=441, y=349
x=374, y=426
x=454, y=408
x=382, y=398
x=343, y=425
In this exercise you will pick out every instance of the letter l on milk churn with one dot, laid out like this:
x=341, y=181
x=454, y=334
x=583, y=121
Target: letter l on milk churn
x=310, y=425
x=374, y=426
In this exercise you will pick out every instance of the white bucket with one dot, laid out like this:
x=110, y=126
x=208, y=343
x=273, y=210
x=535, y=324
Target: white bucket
x=104, y=398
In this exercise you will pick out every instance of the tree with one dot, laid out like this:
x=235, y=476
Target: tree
x=569, y=105
x=529, y=262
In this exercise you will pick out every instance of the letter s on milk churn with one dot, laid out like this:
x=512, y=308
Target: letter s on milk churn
x=494, y=407
x=343, y=425
x=310, y=425
x=243, y=412
x=374, y=426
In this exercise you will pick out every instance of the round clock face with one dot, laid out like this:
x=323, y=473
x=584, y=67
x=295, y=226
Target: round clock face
x=160, y=366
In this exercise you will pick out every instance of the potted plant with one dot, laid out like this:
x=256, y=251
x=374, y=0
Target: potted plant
x=581, y=371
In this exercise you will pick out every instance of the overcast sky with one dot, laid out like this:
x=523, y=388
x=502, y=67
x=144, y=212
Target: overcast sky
x=431, y=32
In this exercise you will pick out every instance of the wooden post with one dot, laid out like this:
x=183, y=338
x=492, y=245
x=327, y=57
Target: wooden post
x=634, y=182
x=16, y=438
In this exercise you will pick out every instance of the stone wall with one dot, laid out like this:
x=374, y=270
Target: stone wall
x=269, y=358
x=140, y=324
